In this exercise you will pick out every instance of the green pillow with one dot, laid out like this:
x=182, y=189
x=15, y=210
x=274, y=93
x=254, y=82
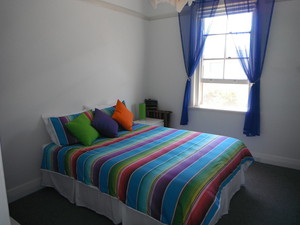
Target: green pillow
x=82, y=129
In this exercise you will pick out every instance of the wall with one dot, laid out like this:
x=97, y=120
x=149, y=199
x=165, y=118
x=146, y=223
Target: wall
x=56, y=56
x=280, y=104
x=4, y=212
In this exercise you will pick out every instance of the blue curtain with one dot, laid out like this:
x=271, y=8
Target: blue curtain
x=252, y=59
x=193, y=39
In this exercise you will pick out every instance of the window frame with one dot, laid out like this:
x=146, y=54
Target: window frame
x=198, y=81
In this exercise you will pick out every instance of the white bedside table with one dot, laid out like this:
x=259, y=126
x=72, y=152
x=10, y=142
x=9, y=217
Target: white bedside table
x=151, y=121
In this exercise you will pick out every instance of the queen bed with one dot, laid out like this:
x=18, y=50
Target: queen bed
x=150, y=175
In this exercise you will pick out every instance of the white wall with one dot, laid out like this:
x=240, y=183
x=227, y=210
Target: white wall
x=56, y=56
x=280, y=103
x=4, y=212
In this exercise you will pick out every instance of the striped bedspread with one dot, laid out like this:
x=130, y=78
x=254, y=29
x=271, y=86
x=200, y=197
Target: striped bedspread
x=172, y=175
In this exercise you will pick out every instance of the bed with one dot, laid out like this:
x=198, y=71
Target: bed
x=150, y=175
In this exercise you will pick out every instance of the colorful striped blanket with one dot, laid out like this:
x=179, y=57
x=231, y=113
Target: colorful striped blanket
x=172, y=175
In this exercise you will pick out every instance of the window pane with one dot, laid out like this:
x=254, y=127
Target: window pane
x=230, y=48
x=214, y=47
x=240, y=41
x=225, y=96
x=234, y=70
x=215, y=25
x=240, y=22
x=212, y=69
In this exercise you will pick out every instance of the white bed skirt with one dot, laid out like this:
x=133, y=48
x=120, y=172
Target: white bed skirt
x=91, y=197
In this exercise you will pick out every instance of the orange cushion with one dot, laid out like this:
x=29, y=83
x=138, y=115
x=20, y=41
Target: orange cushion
x=123, y=116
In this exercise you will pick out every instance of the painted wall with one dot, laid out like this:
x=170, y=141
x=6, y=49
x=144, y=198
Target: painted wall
x=4, y=212
x=56, y=56
x=280, y=103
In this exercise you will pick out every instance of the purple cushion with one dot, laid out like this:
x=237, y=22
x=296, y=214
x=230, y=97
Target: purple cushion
x=104, y=124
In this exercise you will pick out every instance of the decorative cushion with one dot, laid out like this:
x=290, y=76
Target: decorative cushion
x=57, y=130
x=104, y=124
x=123, y=116
x=82, y=129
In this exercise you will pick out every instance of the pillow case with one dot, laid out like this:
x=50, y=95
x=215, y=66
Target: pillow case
x=57, y=130
x=99, y=106
x=104, y=124
x=81, y=128
x=108, y=109
x=123, y=116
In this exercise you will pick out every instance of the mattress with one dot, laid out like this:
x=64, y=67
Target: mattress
x=167, y=175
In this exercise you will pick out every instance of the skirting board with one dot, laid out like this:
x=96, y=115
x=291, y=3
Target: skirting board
x=277, y=160
x=22, y=190
x=35, y=185
x=13, y=222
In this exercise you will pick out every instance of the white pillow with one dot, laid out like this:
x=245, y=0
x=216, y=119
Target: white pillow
x=50, y=128
x=99, y=106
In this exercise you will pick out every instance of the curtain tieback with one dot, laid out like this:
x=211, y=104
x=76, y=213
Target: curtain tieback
x=252, y=83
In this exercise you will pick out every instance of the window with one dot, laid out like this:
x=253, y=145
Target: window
x=220, y=81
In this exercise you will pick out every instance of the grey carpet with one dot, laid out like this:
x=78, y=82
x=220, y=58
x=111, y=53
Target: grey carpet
x=271, y=196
